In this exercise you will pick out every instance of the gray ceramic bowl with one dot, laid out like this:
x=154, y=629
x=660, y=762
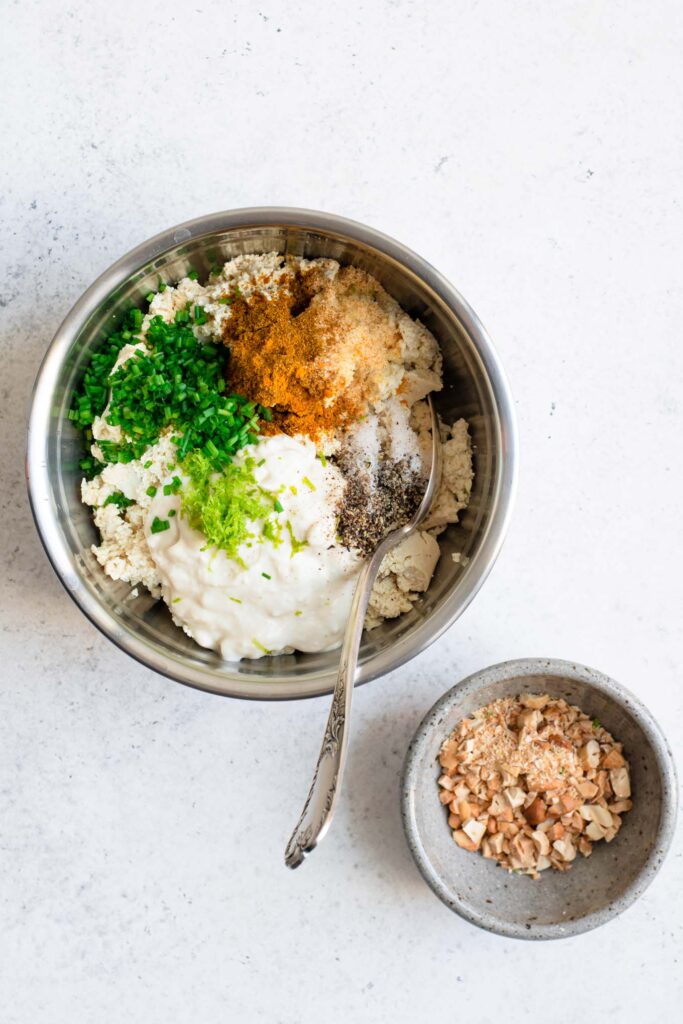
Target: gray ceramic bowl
x=475, y=387
x=595, y=889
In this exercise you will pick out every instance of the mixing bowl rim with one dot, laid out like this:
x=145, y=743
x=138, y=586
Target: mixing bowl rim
x=40, y=490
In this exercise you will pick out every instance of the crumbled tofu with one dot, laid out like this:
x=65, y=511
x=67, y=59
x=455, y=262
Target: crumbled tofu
x=123, y=551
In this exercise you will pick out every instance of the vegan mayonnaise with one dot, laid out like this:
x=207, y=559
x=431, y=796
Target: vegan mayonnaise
x=295, y=594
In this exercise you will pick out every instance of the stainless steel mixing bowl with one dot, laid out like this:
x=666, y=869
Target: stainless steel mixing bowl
x=475, y=388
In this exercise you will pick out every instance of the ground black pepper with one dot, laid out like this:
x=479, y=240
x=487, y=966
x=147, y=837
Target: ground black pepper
x=371, y=507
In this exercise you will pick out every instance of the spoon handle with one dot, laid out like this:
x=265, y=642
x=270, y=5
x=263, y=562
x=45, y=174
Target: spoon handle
x=316, y=816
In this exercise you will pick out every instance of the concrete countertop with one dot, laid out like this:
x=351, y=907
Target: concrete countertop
x=534, y=154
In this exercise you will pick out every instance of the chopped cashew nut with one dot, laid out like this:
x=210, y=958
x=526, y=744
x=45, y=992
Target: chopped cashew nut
x=590, y=754
x=619, y=778
x=475, y=830
x=531, y=782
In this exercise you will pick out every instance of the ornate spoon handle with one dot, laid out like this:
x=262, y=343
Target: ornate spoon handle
x=316, y=816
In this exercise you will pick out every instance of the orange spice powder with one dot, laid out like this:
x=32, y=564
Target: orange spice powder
x=291, y=353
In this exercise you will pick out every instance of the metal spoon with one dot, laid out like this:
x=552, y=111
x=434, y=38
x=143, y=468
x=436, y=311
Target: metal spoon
x=319, y=808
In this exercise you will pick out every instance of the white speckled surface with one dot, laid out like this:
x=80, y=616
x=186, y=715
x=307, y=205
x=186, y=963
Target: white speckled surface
x=534, y=154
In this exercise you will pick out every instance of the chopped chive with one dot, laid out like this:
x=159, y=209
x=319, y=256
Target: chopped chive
x=322, y=458
x=277, y=505
x=171, y=512
x=309, y=483
x=176, y=381
x=236, y=600
x=199, y=315
x=293, y=489
x=119, y=499
x=596, y=723
x=176, y=599
x=159, y=525
x=149, y=296
x=261, y=462
x=266, y=575
x=151, y=491
x=174, y=486
x=192, y=275
x=299, y=612
x=260, y=646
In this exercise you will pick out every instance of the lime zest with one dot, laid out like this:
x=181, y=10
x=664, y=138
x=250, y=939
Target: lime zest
x=223, y=506
x=297, y=545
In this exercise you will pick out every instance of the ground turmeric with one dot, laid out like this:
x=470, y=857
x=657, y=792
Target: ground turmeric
x=316, y=353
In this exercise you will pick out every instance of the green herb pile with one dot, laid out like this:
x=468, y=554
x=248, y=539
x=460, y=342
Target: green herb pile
x=178, y=381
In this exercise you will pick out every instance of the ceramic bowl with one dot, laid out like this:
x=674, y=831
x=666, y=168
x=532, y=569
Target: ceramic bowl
x=596, y=888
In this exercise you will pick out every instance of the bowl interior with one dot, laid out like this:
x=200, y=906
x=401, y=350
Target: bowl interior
x=595, y=888
x=142, y=625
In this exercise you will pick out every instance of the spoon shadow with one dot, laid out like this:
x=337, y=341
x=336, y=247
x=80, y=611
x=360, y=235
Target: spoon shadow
x=381, y=736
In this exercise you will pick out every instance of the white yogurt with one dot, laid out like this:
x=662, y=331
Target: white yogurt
x=239, y=611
